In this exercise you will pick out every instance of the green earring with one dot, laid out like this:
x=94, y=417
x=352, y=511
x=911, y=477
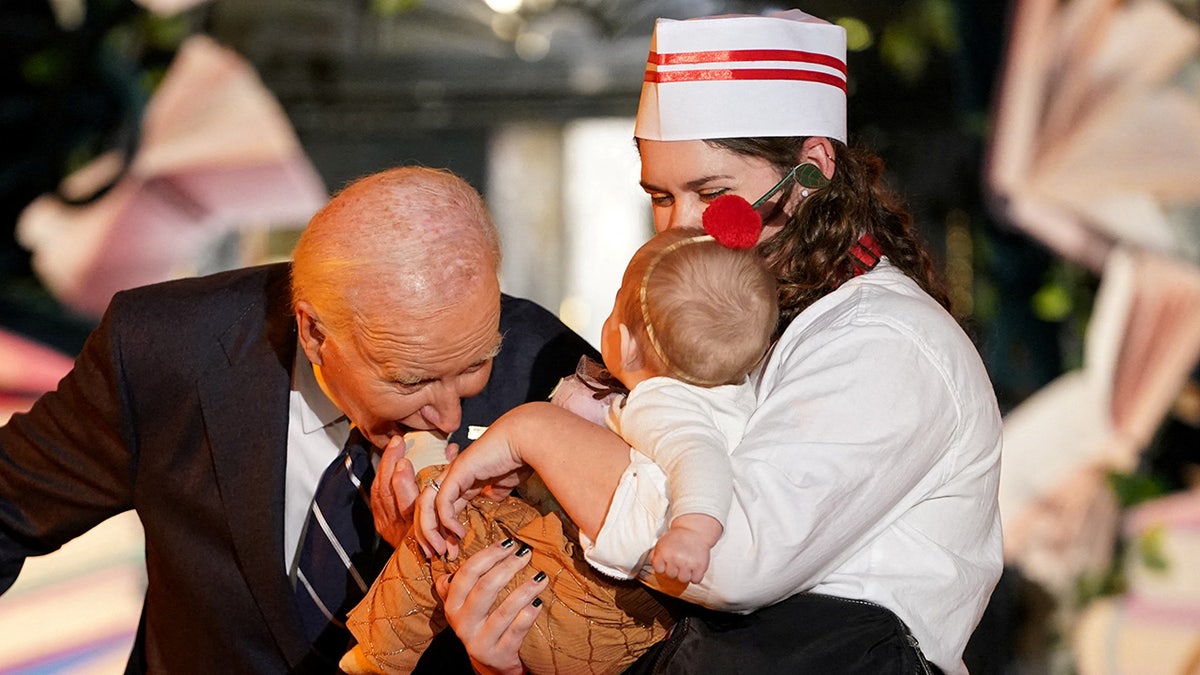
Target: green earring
x=807, y=176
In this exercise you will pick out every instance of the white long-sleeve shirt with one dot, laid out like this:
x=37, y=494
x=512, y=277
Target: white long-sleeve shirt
x=868, y=470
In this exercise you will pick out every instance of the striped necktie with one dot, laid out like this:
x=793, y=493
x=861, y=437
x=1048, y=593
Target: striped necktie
x=335, y=564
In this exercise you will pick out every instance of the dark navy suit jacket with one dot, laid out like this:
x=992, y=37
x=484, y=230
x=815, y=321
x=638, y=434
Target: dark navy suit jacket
x=177, y=407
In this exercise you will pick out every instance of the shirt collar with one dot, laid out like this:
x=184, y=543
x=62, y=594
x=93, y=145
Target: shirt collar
x=317, y=411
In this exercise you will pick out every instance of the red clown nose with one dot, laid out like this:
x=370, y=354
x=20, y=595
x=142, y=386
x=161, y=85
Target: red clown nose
x=733, y=222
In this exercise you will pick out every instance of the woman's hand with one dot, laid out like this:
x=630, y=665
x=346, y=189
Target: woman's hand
x=430, y=535
x=492, y=637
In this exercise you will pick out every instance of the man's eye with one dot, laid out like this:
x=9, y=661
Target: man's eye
x=409, y=387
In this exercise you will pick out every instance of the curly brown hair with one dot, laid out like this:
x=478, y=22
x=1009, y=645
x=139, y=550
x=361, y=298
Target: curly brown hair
x=811, y=254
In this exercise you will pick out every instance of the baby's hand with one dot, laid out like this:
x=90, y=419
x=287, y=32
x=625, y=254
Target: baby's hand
x=682, y=553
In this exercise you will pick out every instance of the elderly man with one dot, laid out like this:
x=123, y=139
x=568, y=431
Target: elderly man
x=216, y=407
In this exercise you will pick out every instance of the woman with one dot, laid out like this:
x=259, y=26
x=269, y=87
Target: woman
x=865, y=485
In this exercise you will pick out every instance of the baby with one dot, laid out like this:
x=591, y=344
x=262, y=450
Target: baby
x=692, y=318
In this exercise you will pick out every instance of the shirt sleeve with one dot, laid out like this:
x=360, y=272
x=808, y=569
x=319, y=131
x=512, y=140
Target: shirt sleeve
x=851, y=427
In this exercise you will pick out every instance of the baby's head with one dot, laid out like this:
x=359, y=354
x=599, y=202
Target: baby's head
x=691, y=309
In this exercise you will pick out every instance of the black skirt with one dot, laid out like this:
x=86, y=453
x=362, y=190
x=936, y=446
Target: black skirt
x=807, y=633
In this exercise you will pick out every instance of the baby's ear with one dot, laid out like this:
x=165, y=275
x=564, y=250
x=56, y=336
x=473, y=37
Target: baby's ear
x=631, y=350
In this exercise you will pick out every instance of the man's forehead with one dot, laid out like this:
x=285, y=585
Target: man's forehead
x=409, y=336
x=414, y=362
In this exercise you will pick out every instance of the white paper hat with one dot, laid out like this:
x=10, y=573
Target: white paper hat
x=743, y=76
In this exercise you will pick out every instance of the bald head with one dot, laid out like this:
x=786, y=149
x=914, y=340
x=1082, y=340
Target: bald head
x=408, y=241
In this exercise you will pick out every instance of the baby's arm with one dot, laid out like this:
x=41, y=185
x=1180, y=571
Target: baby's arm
x=496, y=458
x=671, y=424
x=682, y=552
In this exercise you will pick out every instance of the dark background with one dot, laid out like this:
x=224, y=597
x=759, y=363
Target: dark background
x=369, y=84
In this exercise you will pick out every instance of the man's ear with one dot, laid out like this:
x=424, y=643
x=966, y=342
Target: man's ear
x=631, y=350
x=311, y=335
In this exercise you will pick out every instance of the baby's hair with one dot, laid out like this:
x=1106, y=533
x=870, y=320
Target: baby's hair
x=704, y=312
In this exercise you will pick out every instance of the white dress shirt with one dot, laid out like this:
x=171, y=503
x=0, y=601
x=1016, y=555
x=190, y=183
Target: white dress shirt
x=317, y=430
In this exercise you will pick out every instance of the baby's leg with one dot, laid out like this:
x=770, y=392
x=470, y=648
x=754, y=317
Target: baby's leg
x=398, y=618
x=588, y=623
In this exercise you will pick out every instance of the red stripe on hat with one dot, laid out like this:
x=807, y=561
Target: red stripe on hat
x=740, y=74
x=748, y=55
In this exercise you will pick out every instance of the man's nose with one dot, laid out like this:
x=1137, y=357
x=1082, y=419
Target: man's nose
x=445, y=410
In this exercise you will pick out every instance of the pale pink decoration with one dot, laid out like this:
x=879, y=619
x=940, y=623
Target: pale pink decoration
x=1095, y=152
x=1094, y=140
x=169, y=7
x=28, y=369
x=1153, y=628
x=218, y=158
x=1142, y=342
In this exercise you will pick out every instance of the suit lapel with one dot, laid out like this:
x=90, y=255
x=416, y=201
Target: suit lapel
x=245, y=402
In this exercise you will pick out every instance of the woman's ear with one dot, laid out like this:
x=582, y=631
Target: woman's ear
x=818, y=150
x=309, y=328
x=631, y=350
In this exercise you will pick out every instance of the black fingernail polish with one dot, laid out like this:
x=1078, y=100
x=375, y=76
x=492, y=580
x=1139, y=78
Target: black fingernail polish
x=523, y=550
x=537, y=602
x=507, y=543
x=539, y=577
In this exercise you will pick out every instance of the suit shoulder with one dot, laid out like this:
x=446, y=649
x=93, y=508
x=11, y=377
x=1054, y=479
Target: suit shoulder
x=194, y=295
x=527, y=315
x=526, y=321
x=537, y=346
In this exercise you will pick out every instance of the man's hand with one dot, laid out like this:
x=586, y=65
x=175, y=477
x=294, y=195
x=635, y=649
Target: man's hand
x=393, y=493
